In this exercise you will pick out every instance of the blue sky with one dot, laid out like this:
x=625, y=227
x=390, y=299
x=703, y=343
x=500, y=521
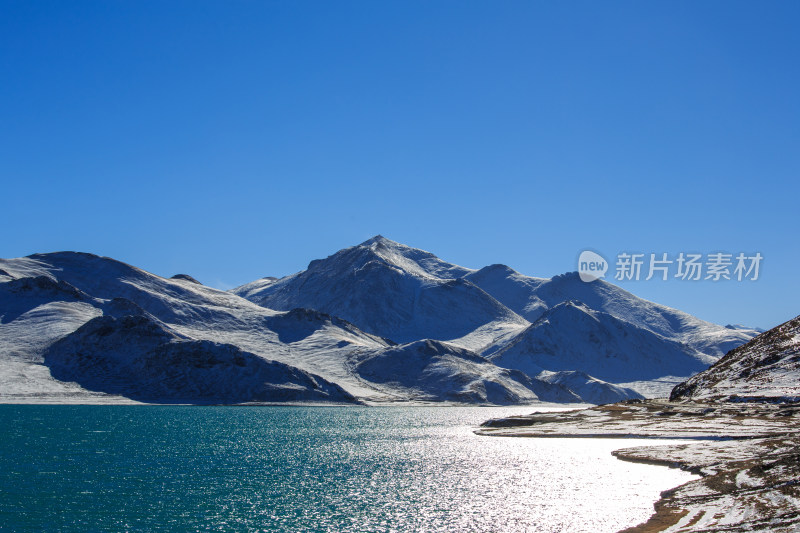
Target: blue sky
x=235, y=140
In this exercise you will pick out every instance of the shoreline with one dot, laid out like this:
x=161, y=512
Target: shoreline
x=101, y=399
x=748, y=457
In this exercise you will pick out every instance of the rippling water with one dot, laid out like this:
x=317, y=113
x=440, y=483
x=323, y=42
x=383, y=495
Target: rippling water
x=78, y=468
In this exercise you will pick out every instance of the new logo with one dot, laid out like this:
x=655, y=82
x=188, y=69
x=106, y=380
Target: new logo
x=591, y=266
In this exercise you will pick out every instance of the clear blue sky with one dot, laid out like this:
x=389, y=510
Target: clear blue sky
x=235, y=140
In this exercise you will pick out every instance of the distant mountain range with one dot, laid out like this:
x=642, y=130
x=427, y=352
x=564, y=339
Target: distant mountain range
x=377, y=322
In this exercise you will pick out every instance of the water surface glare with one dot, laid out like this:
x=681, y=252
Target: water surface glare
x=405, y=469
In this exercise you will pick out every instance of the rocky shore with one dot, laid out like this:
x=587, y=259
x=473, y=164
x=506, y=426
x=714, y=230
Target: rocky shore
x=747, y=454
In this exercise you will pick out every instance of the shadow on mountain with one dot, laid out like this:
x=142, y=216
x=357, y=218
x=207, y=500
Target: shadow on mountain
x=135, y=357
x=21, y=295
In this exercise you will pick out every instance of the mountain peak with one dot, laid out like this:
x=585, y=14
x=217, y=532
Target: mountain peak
x=378, y=240
x=414, y=261
x=498, y=268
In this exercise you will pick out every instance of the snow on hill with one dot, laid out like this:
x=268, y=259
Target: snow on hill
x=41, y=304
x=517, y=292
x=572, y=336
x=437, y=370
x=137, y=357
x=766, y=368
x=464, y=335
x=591, y=389
x=531, y=297
x=519, y=322
x=391, y=290
x=76, y=325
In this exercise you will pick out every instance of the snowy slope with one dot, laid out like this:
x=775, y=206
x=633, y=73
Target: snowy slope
x=572, y=336
x=517, y=321
x=391, y=290
x=75, y=325
x=590, y=389
x=531, y=297
x=767, y=367
x=40, y=304
x=514, y=290
x=439, y=371
x=406, y=294
x=463, y=333
x=137, y=357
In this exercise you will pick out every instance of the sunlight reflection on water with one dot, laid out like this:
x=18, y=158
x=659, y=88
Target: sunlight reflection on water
x=310, y=469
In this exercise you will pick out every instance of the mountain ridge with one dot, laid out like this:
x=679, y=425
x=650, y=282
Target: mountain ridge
x=50, y=343
x=350, y=320
x=348, y=284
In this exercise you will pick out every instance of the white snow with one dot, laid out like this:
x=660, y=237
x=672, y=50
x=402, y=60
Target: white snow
x=520, y=322
x=766, y=367
x=390, y=293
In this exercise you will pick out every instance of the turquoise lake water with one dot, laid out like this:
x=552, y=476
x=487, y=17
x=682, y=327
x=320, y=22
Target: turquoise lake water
x=162, y=468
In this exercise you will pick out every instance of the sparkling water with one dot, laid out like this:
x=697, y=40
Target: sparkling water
x=405, y=469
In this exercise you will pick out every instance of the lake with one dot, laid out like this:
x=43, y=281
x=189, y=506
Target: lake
x=147, y=468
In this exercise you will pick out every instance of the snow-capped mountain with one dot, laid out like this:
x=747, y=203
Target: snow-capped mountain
x=76, y=325
x=50, y=303
x=137, y=357
x=766, y=368
x=519, y=322
x=377, y=322
x=592, y=389
x=391, y=290
x=572, y=336
x=438, y=370
x=532, y=297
